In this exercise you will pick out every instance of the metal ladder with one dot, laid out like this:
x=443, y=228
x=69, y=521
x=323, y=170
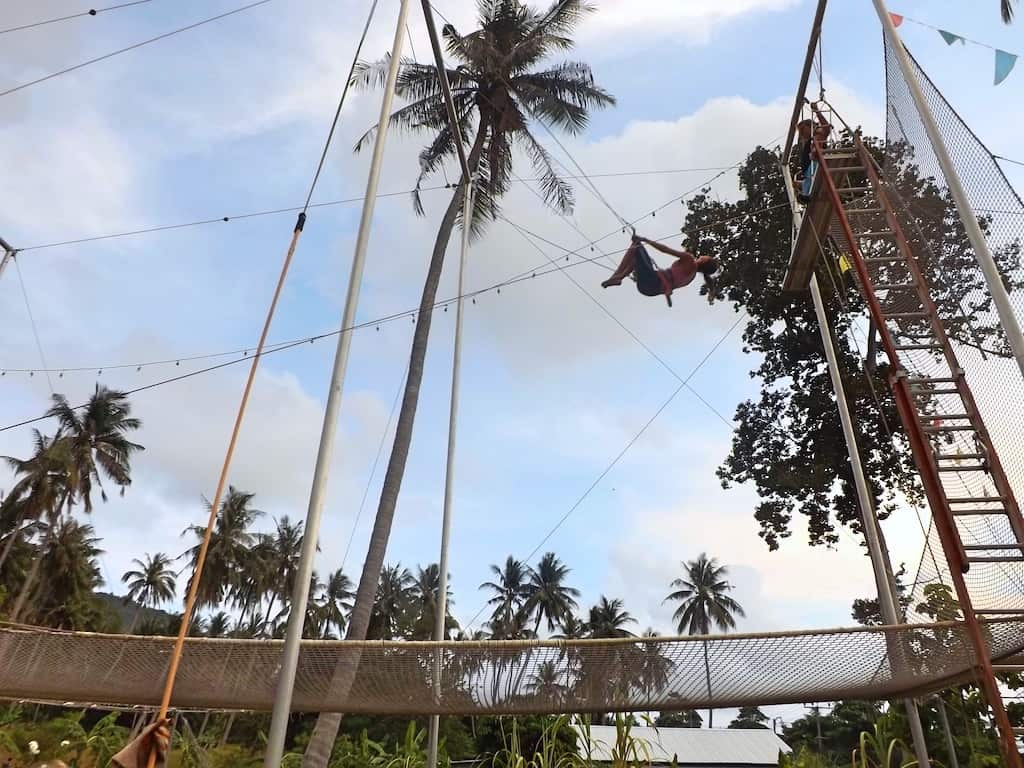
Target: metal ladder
x=951, y=446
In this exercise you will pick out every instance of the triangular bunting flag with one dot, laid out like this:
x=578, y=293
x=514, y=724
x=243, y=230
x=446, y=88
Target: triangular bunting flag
x=896, y=19
x=949, y=37
x=1004, y=65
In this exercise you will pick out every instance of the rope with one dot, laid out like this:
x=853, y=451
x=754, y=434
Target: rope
x=31, y=318
x=90, y=12
x=190, y=602
x=118, y=52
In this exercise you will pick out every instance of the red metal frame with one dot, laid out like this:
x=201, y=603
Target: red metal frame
x=920, y=446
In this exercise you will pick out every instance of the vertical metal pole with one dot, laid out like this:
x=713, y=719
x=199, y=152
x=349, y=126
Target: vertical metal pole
x=879, y=555
x=300, y=593
x=449, y=477
x=950, y=744
x=981, y=251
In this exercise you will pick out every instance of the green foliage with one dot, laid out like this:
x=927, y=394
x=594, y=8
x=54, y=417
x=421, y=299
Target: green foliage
x=750, y=717
x=878, y=748
x=805, y=758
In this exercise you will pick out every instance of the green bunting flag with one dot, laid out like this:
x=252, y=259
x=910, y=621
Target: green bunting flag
x=1005, y=61
x=1004, y=64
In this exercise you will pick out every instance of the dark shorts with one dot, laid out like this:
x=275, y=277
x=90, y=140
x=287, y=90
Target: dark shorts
x=647, y=280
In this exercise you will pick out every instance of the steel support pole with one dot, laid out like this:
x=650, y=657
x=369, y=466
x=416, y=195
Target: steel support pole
x=449, y=472
x=950, y=744
x=1000, y=297
x=311, y=534
x=887, y=599
x=449, y=477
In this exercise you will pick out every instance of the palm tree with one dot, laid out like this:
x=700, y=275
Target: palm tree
x=98, y=441
x=66, y=598
x=423, y=604
x=282, y=549
x=337, y=599
x=1006, y=7
x=218, y=625
x=609, y=619
x=499, y=83
x=229, y=547
x=393, y=593
x=703, y=597
x=150, y=585
x=546, y=683
x=511, y=591
x=547, y=596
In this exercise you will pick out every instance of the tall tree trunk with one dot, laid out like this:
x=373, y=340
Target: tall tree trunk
x=12, y=538
x=321, y=743
x=135, y=618
x=26, y=588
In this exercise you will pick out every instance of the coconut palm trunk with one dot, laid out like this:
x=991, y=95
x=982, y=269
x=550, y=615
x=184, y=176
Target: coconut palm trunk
x=321, y=742
x=13, y=537
x=30, y=583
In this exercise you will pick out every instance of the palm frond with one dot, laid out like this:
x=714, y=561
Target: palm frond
x=556, y=190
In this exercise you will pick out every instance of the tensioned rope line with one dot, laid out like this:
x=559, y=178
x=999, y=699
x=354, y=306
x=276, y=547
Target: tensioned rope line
x=614, y=462
x=328, y=203
x=375, y=322
x=118, y=52
x=31, y=318
x=90, y=12
x=197, y=573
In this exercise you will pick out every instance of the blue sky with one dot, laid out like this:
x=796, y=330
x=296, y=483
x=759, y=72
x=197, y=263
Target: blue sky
x=230, y=118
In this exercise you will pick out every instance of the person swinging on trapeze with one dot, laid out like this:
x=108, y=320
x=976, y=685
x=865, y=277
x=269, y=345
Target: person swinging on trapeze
x=650, y=280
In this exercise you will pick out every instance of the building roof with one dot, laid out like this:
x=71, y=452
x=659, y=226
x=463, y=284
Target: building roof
x=696, y=746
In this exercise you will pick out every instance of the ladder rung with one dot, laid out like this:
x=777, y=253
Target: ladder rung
x=905, y=347
x=954, y=428
x=874, y=233
x=855, y=190
x=969, y=468
x=865, y=210
x=992, y=547
x=995, y=559
x=975, y=499
x=874, y=259
x=944, y=416
x=954, y=456
x=921, y=380
x=978, y=512
x=1008, y=667
x=936, y=392
x=848, y=169
x=894, y=286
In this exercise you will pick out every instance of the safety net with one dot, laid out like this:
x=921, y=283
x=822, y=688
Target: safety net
x=930, y=219
x=504, y=677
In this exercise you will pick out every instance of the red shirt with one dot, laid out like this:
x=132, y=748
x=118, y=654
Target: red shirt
x=681, y=273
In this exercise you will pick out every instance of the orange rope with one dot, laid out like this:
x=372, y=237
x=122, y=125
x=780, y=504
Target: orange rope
x=190, y=602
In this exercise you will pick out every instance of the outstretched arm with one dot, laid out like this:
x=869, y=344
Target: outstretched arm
x=665, y=249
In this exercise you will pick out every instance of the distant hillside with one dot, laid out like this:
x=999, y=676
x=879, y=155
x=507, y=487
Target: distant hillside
x=125, y=609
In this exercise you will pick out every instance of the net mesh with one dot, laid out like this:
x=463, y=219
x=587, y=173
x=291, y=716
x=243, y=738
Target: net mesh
x=930, y=221
x=501, y=677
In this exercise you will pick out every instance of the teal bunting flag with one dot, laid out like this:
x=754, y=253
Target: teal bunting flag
x=950, y=38
x=1004, y=64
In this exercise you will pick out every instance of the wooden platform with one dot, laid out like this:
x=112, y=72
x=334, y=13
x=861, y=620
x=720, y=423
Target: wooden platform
x=817, y=221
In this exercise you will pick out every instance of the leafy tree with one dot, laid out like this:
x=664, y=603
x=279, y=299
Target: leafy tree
x=500, y=82
x=218, y=625
x=866, y=610
x=422, y=609
x=749, y=717
x=785, y=442
x=684, y=718
x=65, y=598
x=337, y=599
x=547, y=596
x=151, y=584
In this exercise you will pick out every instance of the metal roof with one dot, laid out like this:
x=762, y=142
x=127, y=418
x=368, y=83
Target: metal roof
x=693, y=746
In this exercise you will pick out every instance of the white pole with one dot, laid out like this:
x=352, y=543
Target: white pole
x=981, y=251
x=449, y=476
x=879, y=555
x=449, y=473
x=300, y=593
